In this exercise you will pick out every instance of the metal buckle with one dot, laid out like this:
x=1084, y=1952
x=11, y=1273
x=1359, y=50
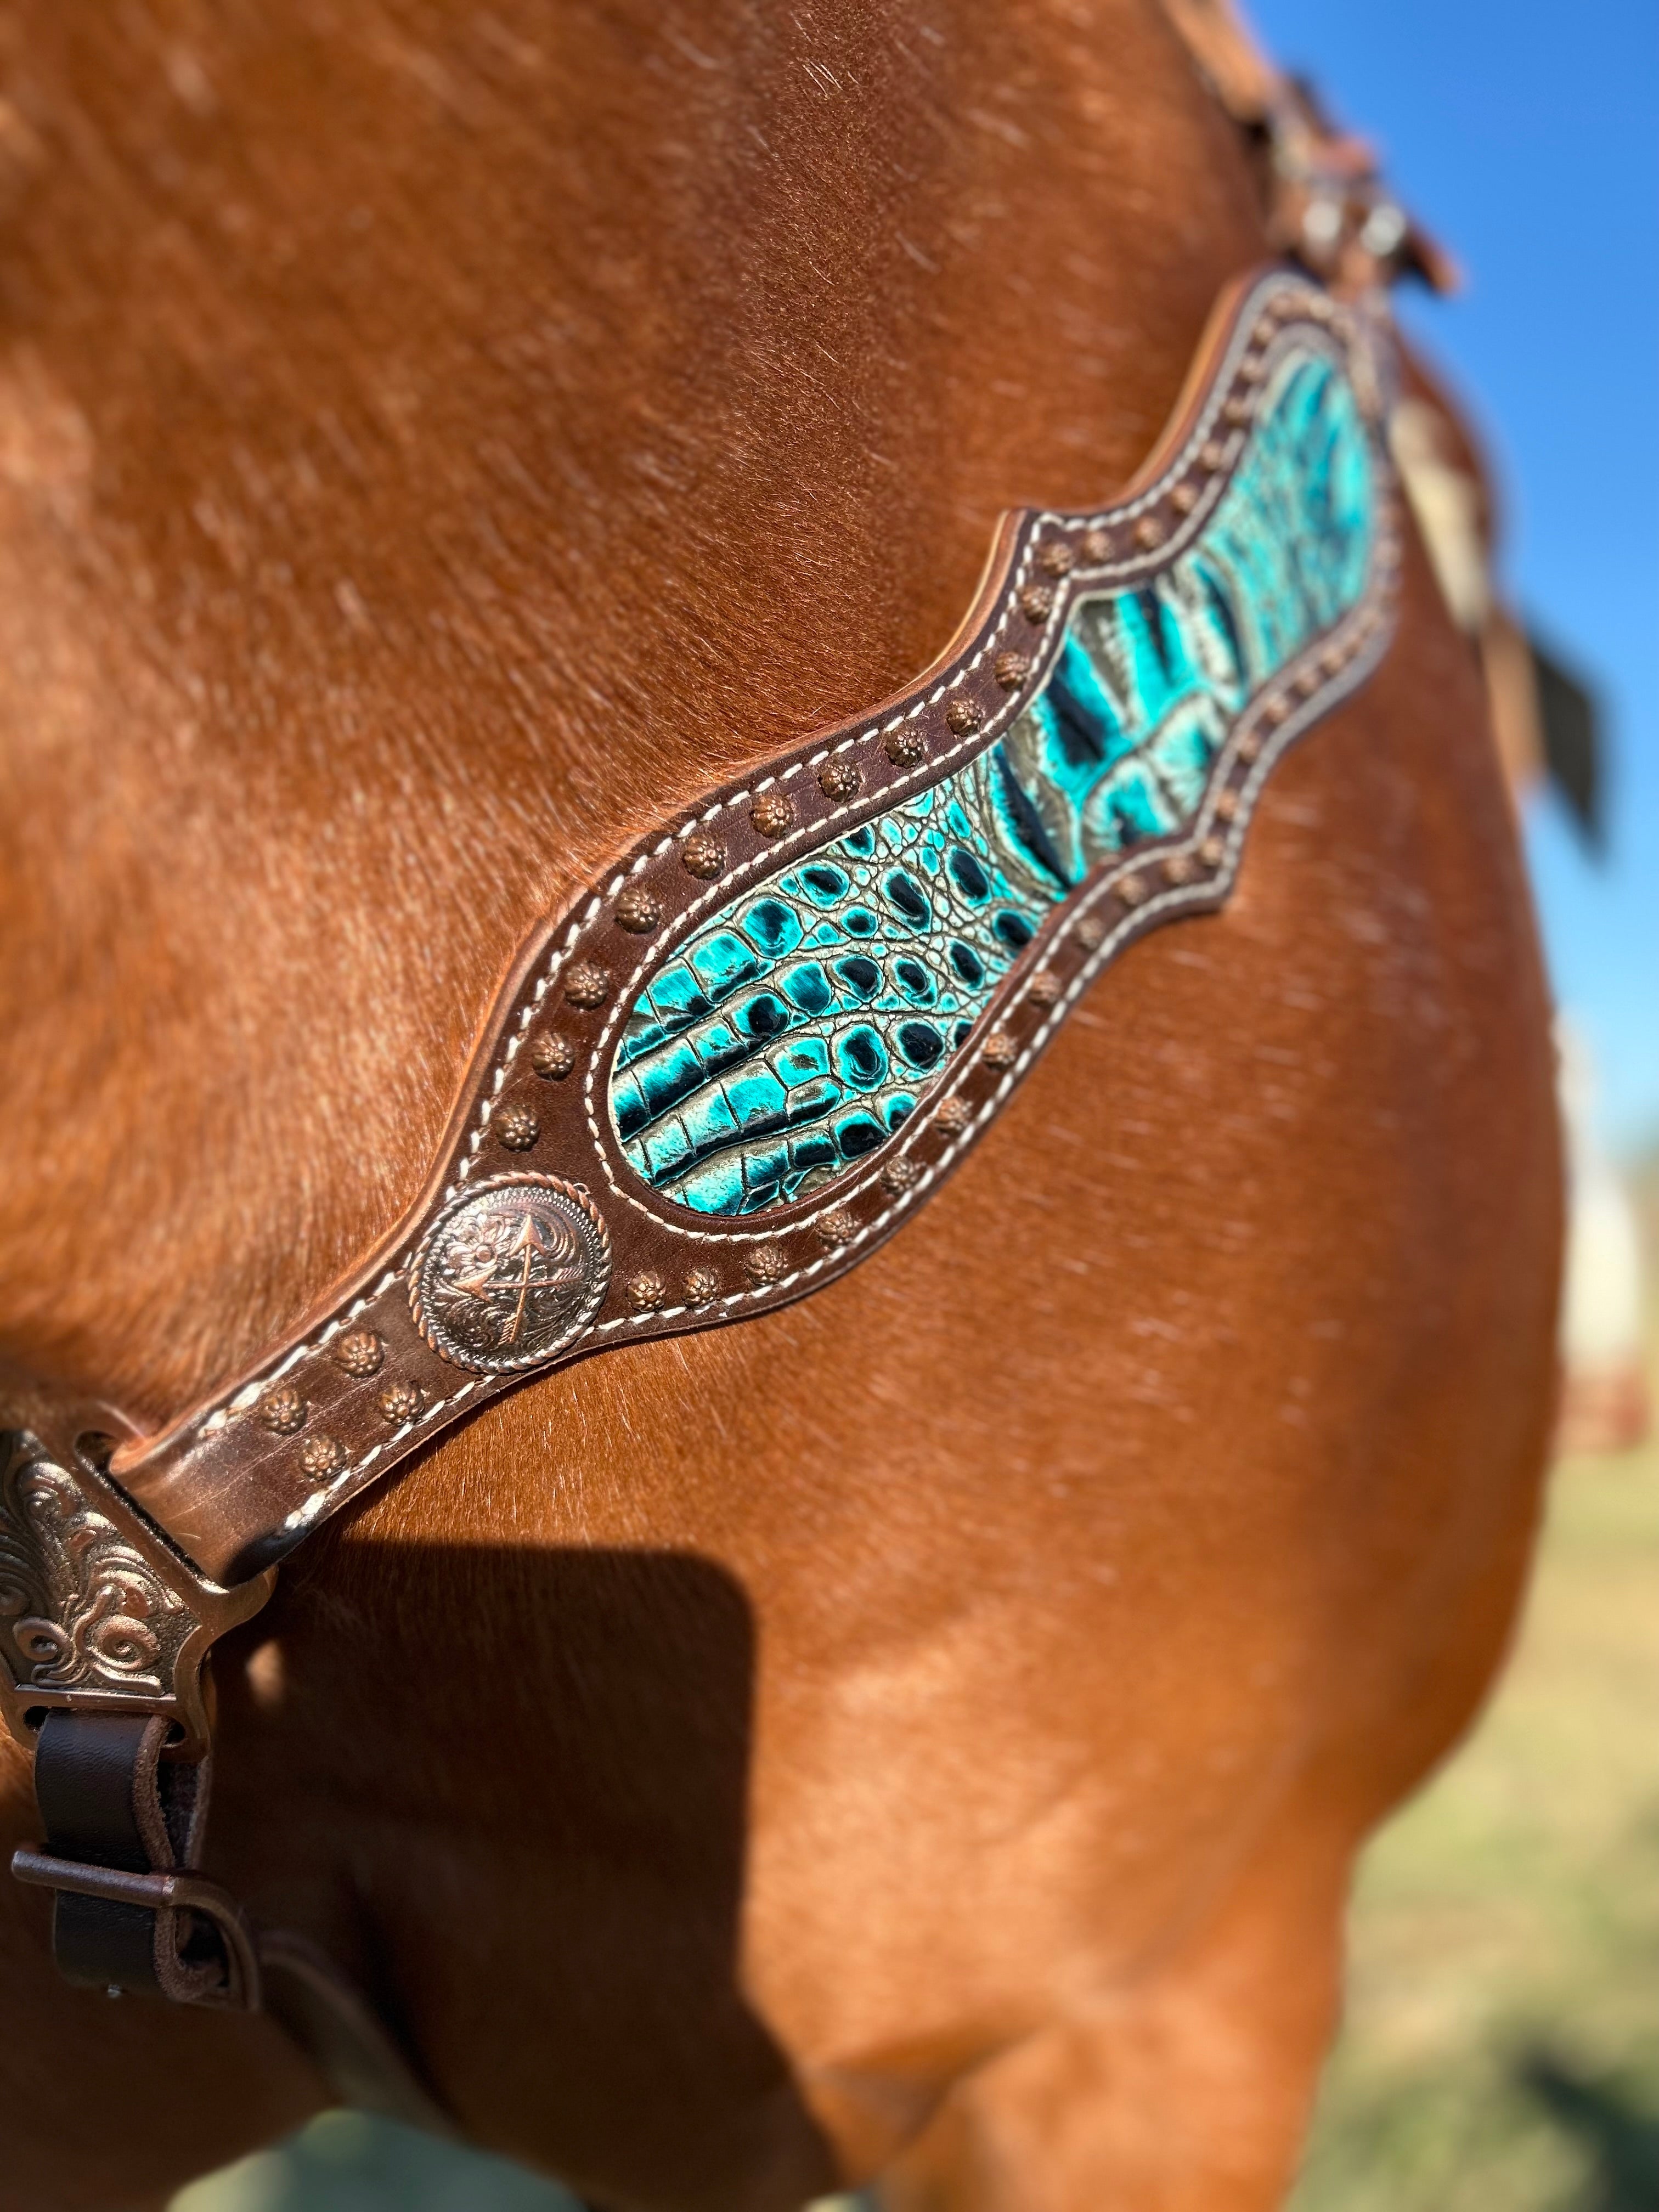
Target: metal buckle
x=98, y=1612
x=172, y=1891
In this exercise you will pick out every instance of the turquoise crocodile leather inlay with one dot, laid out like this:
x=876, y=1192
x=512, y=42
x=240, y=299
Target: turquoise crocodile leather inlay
x=800, y=1024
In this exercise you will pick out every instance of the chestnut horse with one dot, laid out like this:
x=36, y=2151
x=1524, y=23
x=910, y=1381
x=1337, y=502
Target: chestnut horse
x=926, y=1731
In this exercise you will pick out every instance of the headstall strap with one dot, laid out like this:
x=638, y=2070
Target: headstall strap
x=738, y=1064
x=1327, y=202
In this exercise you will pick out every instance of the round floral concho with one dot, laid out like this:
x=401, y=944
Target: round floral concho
x=510, y=1274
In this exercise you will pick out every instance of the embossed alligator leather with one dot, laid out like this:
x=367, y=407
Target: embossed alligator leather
x=768, y=1036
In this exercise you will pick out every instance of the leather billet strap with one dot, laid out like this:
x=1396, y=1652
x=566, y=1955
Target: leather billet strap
x=738, y=1064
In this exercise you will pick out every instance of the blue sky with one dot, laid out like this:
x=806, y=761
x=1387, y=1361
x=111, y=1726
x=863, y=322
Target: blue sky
x=1526, y=136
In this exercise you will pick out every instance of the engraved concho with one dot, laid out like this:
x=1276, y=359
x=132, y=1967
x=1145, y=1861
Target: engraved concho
x=508, y=1274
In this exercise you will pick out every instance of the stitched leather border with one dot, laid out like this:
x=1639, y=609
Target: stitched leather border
x=237, y=1492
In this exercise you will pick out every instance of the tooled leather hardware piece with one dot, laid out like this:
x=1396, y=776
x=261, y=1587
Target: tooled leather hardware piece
x=544, y=1236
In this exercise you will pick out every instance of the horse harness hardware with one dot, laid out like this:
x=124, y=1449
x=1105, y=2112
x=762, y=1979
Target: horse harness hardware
x=744, y=1059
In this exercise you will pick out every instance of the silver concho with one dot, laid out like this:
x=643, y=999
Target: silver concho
x=509, y=1273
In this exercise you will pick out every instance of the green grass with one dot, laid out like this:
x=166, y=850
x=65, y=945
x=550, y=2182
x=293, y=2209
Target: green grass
x=1501, y=2049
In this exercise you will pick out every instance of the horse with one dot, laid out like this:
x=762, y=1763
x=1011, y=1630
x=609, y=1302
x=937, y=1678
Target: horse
x=927, y=1732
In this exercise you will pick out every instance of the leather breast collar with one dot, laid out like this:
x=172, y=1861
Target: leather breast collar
x=743, y=1061
x=755, y=1047
x=721, y=1079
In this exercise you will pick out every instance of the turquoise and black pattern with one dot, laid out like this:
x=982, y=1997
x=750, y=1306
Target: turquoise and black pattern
x=793, y=1033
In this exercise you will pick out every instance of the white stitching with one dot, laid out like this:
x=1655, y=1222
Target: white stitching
x=312, y=1506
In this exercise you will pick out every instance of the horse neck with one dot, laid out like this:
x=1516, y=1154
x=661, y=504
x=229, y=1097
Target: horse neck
x=432, y=456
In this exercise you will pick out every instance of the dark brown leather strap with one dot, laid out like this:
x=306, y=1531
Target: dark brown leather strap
x=124, y=1829
x=114, y=1807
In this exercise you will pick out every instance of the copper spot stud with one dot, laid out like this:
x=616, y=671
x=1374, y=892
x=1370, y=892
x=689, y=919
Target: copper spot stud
x=1036, y=603
x=639, y=908
x=953, y=1116
x=702, y=1286
x=1248, y=747
x=702, y=854
x=1212, y=852
x=840, y=779
x=898, y=1175
x=765, y=1265
x=552, y=1057
x=1276, y=710
x=400, y=1402
x=645, y=1290
x=281, y=1410
x=1149, y=531
x=1055, y=557
x=904, y=747
x=360, y=1351
x=1131, y=890
x=1178, y=868
x=965, y=716
x=1213, y=456
x=1226, y=805
x=1046, y=988
x=839, y=1226
x=320, y=1457
x=517, y=1128
x=1011, y=669
x=1091, y=932
x=1096, y=545
x=1238, y=412
x=1001, y=1049
x=772, y=812
x=587, y=984
x=1184, y=498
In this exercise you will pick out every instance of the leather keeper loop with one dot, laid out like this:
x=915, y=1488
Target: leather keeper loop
x=123, y=1833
